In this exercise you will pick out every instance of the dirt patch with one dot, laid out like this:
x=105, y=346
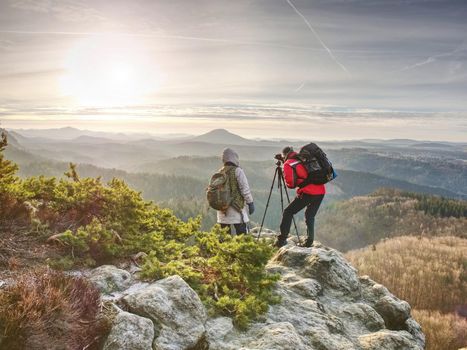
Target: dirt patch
x=22, y=250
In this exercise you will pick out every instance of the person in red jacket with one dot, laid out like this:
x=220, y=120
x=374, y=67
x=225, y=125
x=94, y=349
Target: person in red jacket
x=309, y=196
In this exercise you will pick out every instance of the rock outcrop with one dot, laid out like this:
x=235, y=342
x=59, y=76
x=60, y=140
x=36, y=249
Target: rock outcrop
x=109, y=279
x=177, y=312
x=130, y=331
x=325, y=306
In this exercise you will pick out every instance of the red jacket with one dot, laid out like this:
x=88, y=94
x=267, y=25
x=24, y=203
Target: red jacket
x=294, y=178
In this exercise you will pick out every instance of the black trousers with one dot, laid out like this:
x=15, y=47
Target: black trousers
x=312, y=203
x=240, y=229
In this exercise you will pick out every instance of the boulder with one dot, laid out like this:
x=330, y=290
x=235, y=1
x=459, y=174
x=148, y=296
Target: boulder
x=414, y=328
x=109, y=279
x=388, y=340
x=217, y=330
x=219, y=327
x=332, y=271
x=306, y=287
x=331, y=308
x=324, y=340
x=372, y=291
x=395, y=312
x=292, y=256
x=176, y=310
x=363, y=316
x=130, y=331
x=278, y=336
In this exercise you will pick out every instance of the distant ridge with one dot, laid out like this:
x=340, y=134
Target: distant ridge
x=12, y=137
x=221, y=136
x=93, y=139
x=69, y=133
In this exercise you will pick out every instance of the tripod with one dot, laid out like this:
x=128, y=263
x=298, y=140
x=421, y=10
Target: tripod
x=282, y=188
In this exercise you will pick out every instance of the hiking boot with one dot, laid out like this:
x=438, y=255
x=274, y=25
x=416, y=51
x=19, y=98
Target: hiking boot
x=280, y=242
x=308, y=243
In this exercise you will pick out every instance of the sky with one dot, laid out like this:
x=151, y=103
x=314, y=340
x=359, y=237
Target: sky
x=318, y=69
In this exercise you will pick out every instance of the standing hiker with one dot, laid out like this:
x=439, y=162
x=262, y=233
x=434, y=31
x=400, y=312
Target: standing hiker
x=233, y=189
x=309, y=195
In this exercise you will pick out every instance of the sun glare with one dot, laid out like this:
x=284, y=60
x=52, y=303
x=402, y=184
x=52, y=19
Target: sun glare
x=109, y=71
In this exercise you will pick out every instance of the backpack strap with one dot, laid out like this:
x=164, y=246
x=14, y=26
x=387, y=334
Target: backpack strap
x=237, y=200
x=294, y=172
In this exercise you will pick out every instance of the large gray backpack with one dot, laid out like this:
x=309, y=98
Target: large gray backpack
x=218, y=191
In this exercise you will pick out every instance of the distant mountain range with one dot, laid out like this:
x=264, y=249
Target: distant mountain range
x=69, y=133
x=222, y=136
x=434, y=165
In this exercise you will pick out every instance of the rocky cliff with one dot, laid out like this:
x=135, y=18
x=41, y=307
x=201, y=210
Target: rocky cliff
x=325, y=306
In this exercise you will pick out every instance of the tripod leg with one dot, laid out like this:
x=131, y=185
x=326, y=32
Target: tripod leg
x=281, y=188
x=281, y=179
x=267, y=203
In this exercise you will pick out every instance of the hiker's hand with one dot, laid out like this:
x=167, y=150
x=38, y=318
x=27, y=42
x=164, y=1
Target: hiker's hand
x=251, y=208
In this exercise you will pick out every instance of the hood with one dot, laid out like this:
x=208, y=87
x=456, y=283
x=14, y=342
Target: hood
x=229, y=155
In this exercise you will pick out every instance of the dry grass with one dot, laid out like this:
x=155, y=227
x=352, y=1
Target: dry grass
x=430, y=273
x=443, y=331
x=46, y=309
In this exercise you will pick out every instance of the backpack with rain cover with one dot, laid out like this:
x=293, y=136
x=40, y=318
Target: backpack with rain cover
x=317, y=164
x=218, y=192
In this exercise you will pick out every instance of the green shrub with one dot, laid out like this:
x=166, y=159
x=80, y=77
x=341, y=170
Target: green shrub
x=228, y=272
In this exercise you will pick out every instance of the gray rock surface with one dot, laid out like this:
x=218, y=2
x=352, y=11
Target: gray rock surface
x=325, y=306
x=281, y=335
x=395, y=312
x=130, y=331
x=388, y=340
x=176, y=310
x=217, y=330
x=109, y=279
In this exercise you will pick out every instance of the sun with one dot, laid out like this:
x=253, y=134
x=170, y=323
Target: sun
x=105, y=71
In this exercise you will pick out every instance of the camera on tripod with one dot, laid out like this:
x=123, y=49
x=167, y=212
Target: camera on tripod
x=279, y=157
x=282, y=187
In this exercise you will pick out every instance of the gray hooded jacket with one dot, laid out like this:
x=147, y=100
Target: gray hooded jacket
x=232, y=216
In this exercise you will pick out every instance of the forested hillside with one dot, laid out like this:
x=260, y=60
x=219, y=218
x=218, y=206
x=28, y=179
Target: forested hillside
x=363, y=221
x=431, y=274
x=447, y=170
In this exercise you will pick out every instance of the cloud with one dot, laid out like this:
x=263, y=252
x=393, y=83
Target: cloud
x=435, y=58
x=30, y=74
x=149, y=34
x=252, y=112
x=318, y=122
x=65, y=10
x=5, y=44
